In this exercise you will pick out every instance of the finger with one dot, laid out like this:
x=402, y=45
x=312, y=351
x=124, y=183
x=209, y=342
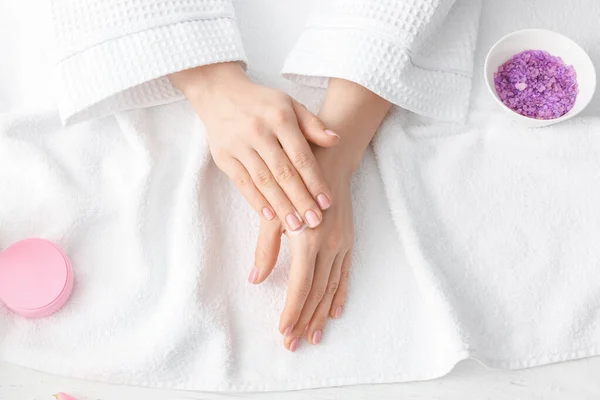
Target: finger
x=314, y=333
x=298, y=151
x=244, y=183
x=299, y=285
x=319, y=287
x=291, y=342
x=265, y=182
x=267, y=250
x=337, y=306
x=290, y=180
x=312, y=127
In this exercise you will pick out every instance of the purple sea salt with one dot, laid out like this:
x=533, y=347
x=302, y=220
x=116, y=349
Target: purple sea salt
x=537, y=84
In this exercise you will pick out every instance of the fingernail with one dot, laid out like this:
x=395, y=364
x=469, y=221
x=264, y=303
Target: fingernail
x=338, y=312
x=293, y=222
x=288, y=330
x=316, y=339
x=253, y=275
x=332, y=133
x=312, y=218
x=294, y=345
x=63, y=396
x=268, y=213
x=323, y=201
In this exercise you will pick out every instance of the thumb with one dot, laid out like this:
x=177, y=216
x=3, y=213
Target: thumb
x=267, y=250
x=313, y=129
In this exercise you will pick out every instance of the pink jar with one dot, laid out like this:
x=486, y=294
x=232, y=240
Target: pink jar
x=36, y=278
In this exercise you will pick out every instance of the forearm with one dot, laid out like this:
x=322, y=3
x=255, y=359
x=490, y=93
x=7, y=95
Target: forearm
x=355, y=113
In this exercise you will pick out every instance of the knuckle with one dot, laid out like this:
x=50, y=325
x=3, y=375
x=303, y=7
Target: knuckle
x=284, y=171
x=313, y=121
x=333, y=242
x=317, y=295
x=302, y=161
x=279, y=115
x=257, y=126
x=332, y=287
x=221, y=165
x=217, y=151
x=219, y=157
x=240, y=180
x=313, y=241
x=316, y=120
x=346, y=274
x=303, y=291
x=264, y=178
x=281, y=99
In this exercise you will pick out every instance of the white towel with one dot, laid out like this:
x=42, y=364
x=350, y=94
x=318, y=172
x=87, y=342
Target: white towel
x=472, y=241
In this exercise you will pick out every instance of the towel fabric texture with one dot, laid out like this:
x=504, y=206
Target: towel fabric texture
x=472, y=240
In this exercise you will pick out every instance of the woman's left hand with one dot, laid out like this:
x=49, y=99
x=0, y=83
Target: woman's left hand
x=321, y=257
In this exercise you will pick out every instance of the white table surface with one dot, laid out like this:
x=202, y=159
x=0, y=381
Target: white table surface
x=573, y=380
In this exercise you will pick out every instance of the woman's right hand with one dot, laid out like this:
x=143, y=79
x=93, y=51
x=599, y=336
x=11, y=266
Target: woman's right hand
x=258, y=137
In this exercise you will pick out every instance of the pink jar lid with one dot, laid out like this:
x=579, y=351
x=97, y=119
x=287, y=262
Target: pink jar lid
x=36, y=278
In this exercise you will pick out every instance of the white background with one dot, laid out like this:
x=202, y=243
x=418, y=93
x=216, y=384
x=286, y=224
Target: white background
x=573, y=380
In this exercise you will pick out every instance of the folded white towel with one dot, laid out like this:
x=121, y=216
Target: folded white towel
x=472, y=241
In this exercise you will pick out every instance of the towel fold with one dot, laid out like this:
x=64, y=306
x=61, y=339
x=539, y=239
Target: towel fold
x=474, y=240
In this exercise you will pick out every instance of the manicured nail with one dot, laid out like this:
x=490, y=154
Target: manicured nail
x=323, y=201
x=332, y=133
x=316, y=338
x=253, y=275
x=294, y=345
x=338, y=312
x=288, y=330
x=312, y=218
x=63, y=396
x=293, y=222
x=268, y=213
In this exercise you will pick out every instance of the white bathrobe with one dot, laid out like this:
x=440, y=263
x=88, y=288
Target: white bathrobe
x=114, y=55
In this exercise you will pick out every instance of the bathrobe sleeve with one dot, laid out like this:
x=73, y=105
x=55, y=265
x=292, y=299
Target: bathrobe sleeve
x=114, y=55
x=418, y=54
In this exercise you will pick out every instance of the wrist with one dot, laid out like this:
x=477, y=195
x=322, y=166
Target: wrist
x=338, y=161
x=195, y=82
x=349, y=155
x=355, y=113
x=353, y=142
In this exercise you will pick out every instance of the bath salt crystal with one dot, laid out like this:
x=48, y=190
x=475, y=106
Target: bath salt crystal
x=537, y=84
x=521, y=86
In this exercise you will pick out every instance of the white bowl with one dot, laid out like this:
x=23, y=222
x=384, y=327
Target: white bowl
x=555, y=44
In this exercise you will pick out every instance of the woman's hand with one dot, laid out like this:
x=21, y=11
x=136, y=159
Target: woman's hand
x=257, y=136
x=321, y=257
